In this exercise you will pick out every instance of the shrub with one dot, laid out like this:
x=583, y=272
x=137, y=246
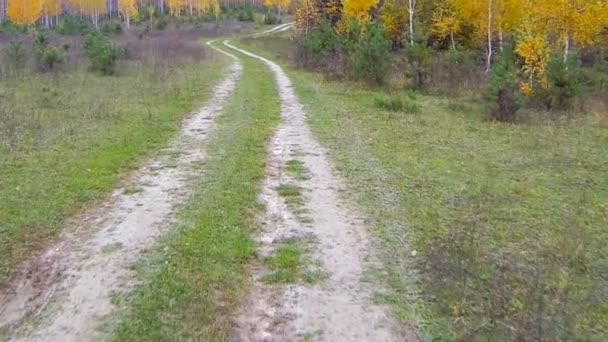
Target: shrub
x=566, y=80
x=371, y=58
x=41, y=42
x=319, y=43
x=15, y=55
x=51, y=57
x=8, y=27
x=396, y=104
x=161, y=23
x=503, y=89
x=258, y=20
x=419, y=58
x=112, y=27
x=71, y=24
x=245, y=14
x=102, y=53
x=271, y=18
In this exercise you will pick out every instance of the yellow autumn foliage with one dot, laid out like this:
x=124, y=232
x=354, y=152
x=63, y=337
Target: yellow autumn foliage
x=24, y=12
x=307, y=17
x=394, y=20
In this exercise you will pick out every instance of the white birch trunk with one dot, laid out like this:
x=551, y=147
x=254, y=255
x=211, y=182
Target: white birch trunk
x=489, y=57
x=411, y=8
x=500, y=40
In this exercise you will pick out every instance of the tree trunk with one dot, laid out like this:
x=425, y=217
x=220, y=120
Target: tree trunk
x=128, y=19
x=500, y=40
x=489, y=57
x=566, y=48
x=411, y=7
x=452, y=39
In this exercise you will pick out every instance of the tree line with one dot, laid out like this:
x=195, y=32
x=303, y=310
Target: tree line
x=534, y=35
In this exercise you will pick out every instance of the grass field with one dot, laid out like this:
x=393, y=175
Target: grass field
x=67, y=138
x=196, y=276
x=488, y=230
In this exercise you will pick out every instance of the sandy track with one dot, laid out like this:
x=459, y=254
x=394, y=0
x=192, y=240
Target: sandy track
x=340, y=307
x=61, y=295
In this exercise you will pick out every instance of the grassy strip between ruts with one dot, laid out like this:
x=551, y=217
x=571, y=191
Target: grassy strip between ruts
x=86, y=132
x=195, y=277
x=506, y=224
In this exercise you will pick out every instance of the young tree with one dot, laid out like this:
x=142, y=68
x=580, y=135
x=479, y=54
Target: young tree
x=24, y=12
x=127, y=9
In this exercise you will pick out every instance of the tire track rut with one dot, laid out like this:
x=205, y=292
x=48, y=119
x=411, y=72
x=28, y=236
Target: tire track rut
x=63, y=294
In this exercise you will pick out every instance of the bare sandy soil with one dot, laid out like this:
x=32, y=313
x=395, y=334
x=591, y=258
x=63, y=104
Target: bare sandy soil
x=63, y=294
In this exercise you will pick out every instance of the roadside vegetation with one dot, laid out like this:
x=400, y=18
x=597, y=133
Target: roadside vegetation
x=197, y=275
x=68, y=132
x=88, y=89
x=483, y=176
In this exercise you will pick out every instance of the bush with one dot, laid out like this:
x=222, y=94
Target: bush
x=15, y=55
x=566, y=80
x=371, y=58
x=71, y=24
x=271, y=18
x=112, y=27
x=245, y=14
x=51, y=57
x=102, y=53
x=419, y=58
x=258, y=20
x=503, y=89
x=319, y=43
x=161, y=23
x=41, y=42
x=397, y=104
x=8, y=27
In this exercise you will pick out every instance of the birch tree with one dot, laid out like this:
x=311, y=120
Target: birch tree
x=127, y=9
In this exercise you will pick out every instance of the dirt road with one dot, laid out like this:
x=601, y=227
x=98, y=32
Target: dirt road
x=63, y=295
x=339, y=307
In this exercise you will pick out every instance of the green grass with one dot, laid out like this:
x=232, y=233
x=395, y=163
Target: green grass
x=67, y=139
x=291, y=265
x=297, y=169
x=489, y=231
x=196, y=276
x=292, y=195
x=285, y=266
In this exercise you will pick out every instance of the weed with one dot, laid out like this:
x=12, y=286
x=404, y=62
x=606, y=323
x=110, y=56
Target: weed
x=111, y=248
x=132, y=189
x=285, y=266
x=396, y=104
x=292, y=195
x=290, y=265
x=298, y=170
